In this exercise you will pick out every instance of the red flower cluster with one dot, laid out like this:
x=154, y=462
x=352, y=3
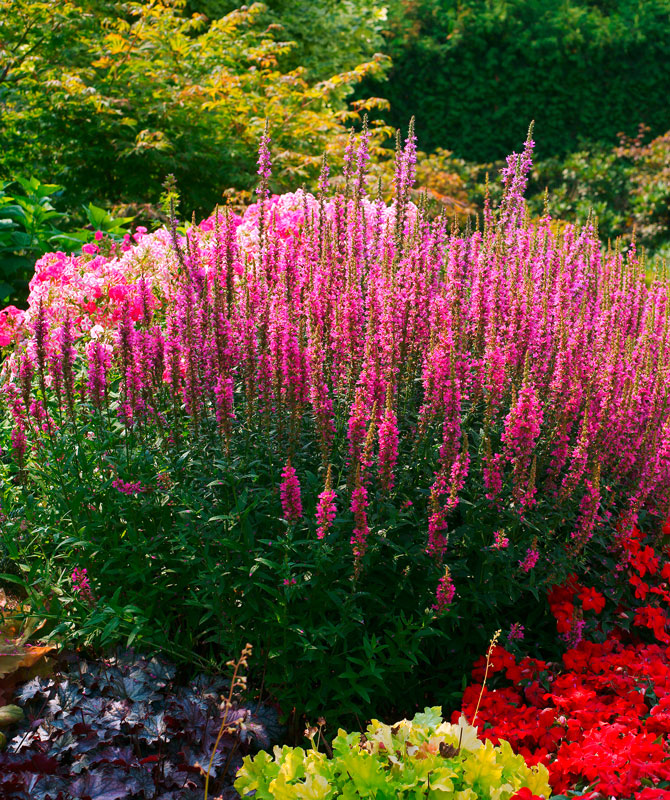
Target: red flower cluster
x=595, y=724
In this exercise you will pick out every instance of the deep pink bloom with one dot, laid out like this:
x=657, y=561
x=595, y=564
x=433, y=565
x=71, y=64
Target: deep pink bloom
x=388, y=448
x=264, y=165
x=326, y=511
x=359, y=504
x=19, y=442
x=127, y=488
x=516, y=631
x=500, y=541
x=290, y=494
x=437, y=539
x=444, y=594
x=529, y=560
x=80, y=582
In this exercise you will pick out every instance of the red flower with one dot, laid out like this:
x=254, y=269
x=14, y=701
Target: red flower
x=592, y=600
x=525, y=794
x=655, y=619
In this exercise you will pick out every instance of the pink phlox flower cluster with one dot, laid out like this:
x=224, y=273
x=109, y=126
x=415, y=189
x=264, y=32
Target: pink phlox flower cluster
x=11, y=321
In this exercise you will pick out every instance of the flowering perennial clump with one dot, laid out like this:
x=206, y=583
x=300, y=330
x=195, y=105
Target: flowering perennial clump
x=433, y=408
x=333, y=306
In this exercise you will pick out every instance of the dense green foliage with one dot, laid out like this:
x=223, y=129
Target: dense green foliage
x=329, y=35
x=475, y=72
x=198, y=561
x=31, y=226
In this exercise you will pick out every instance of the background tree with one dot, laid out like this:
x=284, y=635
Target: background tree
x=108, y=98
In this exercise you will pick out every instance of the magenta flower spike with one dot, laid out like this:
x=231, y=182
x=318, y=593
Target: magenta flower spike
x=289, y=490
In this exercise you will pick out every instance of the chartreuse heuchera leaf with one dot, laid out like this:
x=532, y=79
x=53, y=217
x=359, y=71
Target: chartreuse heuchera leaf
x=420, y=758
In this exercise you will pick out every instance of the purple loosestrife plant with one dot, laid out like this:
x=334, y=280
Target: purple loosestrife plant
x=431, y=386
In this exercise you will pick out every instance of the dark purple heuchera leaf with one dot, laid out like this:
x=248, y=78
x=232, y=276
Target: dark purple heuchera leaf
x=254, y=732
x=142, y=781
x=115, y=713
x=191, y=714
x=264, y=727
x=46, y=788
x=93, y=708
x=103, y=784
x=209, y=688
x=137, y=714
x=34, y=687
x=229, y=793
x=153, y=728
x=120, y=756
x=118, y=729
x=62, y=744
x=160, y=673
x=134, y=690
x=38, y=763
x=67, y=699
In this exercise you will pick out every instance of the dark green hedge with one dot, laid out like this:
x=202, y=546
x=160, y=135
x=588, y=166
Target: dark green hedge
x=475, y=72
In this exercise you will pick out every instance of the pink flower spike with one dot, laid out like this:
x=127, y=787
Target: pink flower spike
x=516, y=632
x=444, y=593
x=530, y=560
x=500, y=540
x=80, y=583
x=290, y=494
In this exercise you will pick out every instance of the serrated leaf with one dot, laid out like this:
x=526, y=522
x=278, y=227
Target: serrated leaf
x=101, y=785
x=153, y=728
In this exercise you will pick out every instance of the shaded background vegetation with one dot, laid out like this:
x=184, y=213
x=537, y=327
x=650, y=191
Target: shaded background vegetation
x=474, y=72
